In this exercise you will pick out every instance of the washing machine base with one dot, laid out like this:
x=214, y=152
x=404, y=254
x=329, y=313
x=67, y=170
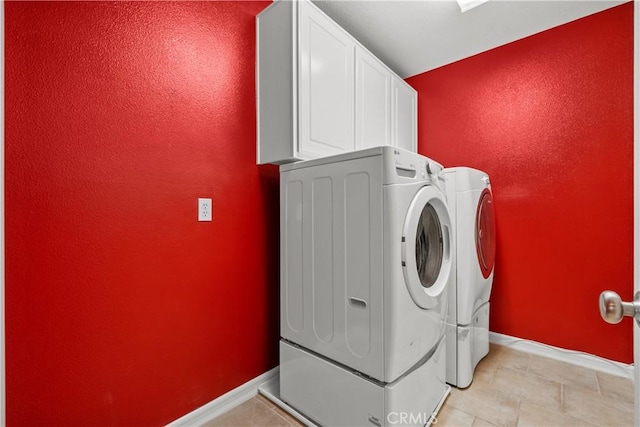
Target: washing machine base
x=466, y=346
x=333, y=395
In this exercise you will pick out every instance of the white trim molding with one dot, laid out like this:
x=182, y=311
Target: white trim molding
x=573, y=357
x=224, y=403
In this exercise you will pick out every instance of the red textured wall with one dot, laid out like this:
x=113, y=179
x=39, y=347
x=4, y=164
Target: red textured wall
x=550, y=118
x=122, y=309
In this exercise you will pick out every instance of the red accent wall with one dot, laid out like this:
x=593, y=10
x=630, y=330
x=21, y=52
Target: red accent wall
x=550, y=118
x=121, y=308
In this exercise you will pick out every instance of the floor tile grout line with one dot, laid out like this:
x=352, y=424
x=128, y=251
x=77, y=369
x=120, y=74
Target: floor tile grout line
x=270, y=404
x=261, y=402
x=598, y=383
x=580, y=386
x=280, y=415
x=532, y=374
x=518, y=413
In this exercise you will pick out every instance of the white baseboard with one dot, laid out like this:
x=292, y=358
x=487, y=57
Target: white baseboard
x=224, y=403
x=578, y=358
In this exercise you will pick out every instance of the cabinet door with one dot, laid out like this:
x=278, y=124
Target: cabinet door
x=373, y=101
x=404, y=112
x=326, y=85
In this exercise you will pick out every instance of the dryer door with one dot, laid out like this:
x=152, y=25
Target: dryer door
x=426, y=247
x=485, y=233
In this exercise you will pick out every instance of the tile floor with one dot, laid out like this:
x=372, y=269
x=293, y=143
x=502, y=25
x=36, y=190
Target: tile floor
x=510, y=388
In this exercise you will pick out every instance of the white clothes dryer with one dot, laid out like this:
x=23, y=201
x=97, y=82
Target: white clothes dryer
x=366, y=263
x=471, y=205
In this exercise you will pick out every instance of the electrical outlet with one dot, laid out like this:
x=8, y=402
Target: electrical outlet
x=204, y=209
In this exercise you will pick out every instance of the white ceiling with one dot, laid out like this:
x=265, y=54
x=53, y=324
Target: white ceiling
x=413, y=36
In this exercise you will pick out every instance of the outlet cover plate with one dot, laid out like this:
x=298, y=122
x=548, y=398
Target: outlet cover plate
x=204, y=209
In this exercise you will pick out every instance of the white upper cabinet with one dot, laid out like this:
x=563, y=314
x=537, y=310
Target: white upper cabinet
x=373, y=101
x=326, y=71
x=403, y=115
x=319, y=92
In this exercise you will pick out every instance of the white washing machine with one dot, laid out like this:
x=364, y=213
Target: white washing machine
x=471, y=204
x=366, y=263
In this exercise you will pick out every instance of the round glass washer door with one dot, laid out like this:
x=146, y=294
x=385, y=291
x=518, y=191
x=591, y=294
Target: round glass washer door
x=486, y=233
x=426, y=237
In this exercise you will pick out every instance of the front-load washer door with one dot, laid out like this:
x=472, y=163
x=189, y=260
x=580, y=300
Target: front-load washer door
x=485, y=233
x=426, y=247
